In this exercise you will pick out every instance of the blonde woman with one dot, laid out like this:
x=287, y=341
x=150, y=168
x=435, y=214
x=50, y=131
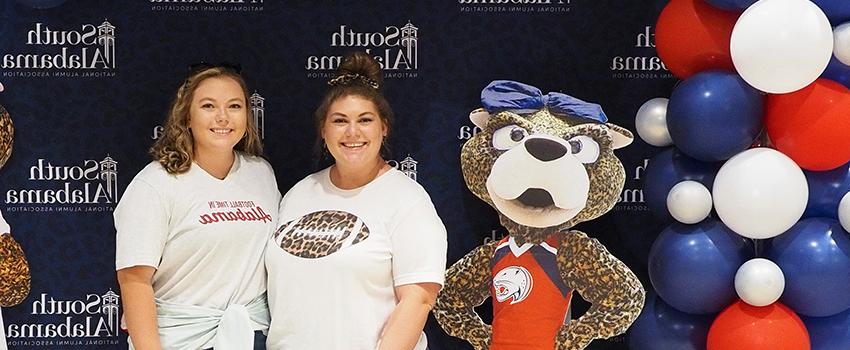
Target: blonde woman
x=192, y=225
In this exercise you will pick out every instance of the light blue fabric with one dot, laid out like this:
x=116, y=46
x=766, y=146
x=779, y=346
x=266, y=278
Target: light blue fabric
x=190, y=327
x=509, y=95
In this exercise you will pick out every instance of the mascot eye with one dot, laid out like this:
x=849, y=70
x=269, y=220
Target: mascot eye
x=584, y=148
x=508, y=136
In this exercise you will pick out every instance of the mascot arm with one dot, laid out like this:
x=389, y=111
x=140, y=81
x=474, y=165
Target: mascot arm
x=607, y=283
x=467, y=286
x=14, y=272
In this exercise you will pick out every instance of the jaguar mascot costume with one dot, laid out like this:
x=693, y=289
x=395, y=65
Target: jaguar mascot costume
x=545, y=163
x=14, y=269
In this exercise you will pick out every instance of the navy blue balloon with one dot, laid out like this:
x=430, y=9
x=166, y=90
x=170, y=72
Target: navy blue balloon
x=731, y=5
x=826, y=188
x=837, y=71
x=829, y=333
x=692, y=267
x=714, y=115
x=660, y=326
x=814, y=256
x=668, y=168
x=837, y=11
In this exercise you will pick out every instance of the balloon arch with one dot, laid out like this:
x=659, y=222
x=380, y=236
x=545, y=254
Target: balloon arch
x=757, y=178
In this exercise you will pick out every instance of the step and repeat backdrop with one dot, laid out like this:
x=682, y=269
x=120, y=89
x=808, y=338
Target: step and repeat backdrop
x=87, y=85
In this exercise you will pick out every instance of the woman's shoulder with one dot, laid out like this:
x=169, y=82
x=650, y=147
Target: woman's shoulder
x=256, y=162
x=316, y=178
x=154, y=172
x=403, y=185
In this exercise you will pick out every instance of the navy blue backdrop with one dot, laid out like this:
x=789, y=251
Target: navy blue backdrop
x=87, y=84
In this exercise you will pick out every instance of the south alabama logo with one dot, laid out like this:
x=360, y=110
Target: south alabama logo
x=513, y=282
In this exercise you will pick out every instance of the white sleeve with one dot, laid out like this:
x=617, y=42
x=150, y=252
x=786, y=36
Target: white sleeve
x=419, y=245
x=141, y=224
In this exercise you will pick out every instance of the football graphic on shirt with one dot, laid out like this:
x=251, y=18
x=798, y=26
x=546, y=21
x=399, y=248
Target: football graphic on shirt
x=321, y=233
x=512, y=282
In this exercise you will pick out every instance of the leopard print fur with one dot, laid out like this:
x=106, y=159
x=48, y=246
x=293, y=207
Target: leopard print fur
x=15, y=272
x=321, y=233
x=7, y=131
x=467, y=286
x=584, y=265
x=603, y=280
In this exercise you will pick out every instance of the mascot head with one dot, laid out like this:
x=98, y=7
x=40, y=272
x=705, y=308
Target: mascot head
x=543, y=162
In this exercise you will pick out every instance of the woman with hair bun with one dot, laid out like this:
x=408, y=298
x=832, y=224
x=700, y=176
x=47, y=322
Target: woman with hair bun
x=192, y=226
x=360, y=254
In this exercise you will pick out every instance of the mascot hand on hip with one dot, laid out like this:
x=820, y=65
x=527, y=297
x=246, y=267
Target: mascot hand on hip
x=545, y=163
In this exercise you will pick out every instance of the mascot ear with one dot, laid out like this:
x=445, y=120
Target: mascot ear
x=622, y=137
x=479, y=117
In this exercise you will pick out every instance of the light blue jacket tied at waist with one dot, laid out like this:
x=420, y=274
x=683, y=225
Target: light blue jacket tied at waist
x=191, y=327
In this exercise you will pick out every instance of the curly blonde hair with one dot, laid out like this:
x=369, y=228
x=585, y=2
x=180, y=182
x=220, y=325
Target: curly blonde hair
x=174, y=149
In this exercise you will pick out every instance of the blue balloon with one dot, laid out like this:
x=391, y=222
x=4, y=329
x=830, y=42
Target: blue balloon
x=714, y=115
x=668, y=168
x=692, y=267
x=731, y=5
x=826, y=188
x=660, y=326
x=837, y=11
x=814, y=256
x=829, y=333
x=837, y=71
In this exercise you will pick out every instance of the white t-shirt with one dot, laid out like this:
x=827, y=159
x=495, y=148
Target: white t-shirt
x=204, y=236
x=337, y=255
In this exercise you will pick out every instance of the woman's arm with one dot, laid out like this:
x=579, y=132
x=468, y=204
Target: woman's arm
x=405, y=324
x=139, y=307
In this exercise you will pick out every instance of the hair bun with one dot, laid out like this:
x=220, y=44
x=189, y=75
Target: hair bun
x=359, y=68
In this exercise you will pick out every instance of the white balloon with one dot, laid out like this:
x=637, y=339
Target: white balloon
x=760, y=193
x=841, y=35
x=651, y=122
x=689, y=202
x=844, y=212
x=759, y=282
x=780, y=46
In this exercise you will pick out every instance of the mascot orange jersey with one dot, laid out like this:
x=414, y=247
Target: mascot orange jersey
x=526, y=281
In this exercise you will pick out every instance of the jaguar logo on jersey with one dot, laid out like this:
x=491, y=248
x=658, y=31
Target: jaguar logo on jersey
x=642, y=61
x=395, y=48
x=87, y=50
x=321, y=233
x=521, y=6
x=90, y=320
x=514, y=283
x=206, y=5
x=89, y=185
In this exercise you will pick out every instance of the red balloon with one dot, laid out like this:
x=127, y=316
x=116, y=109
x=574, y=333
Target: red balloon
x=745, y=327
x=811, y=125
x=692, y=36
